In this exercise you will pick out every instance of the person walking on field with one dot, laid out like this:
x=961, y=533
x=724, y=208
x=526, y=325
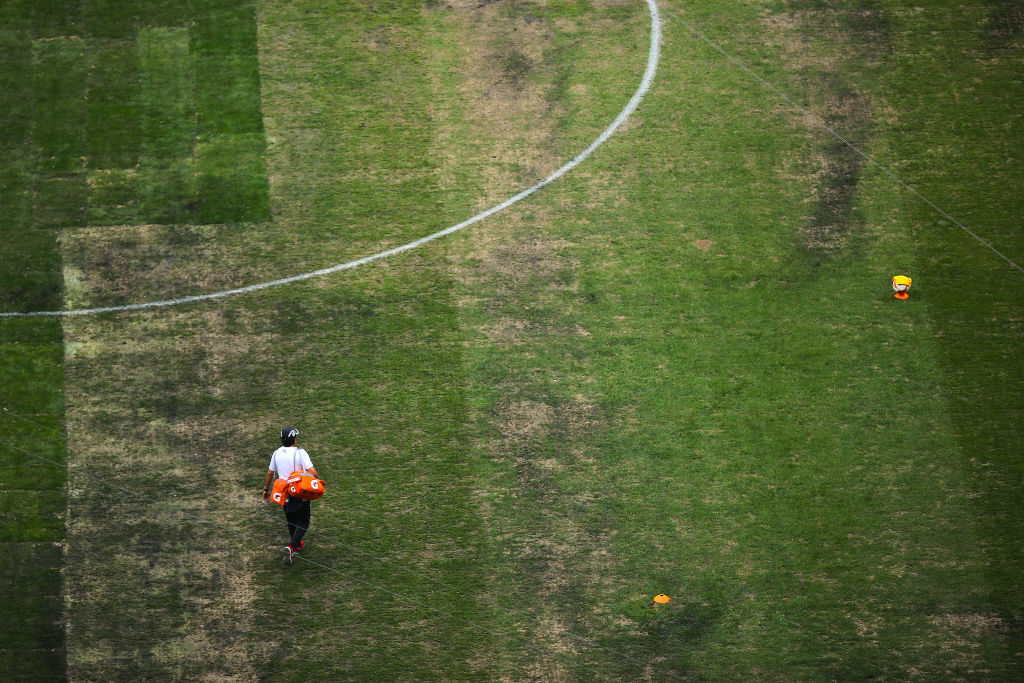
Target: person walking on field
x=285, y=460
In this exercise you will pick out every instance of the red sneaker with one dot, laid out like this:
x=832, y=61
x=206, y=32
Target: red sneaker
x=302, y=544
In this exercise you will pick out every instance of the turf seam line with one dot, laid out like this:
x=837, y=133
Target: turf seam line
x=824, y=124
x=653, y=54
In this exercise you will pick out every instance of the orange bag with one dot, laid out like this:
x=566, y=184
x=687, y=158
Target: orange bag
x=305, y=486
x=279, y=494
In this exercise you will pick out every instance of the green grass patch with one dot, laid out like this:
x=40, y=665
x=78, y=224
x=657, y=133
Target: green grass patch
x=59, y=89
x=15, y=86
x=113, y=131
x=31, y=611
x=974, y=297
x=167, y=190
x=110, y=20
x=231, y=179
x=163, y=13
x=224, y=27
x=167, y=84
x=113, y=197
x=228, y=95
x=60, y=201
x=32, y=488
x=30, y=264
x=166, y=176
x=121, y=105
x=32, y=515
x=32, y=494
x=53, y=18
x=679, y=369
x=230, y=173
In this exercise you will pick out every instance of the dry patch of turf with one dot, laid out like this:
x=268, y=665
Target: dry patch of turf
x=961, y=638
x=113, y=265
x=525, y=420
x=158, y=481
x=505, y=88
x=516, y=281
x=516, y=285
x=834, y=172
x=530, y=260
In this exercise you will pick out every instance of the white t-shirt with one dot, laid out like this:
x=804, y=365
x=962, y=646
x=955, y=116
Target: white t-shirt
x=288, y=459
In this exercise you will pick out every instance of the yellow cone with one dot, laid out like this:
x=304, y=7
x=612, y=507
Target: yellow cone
x=900, y=285
x=661, y=598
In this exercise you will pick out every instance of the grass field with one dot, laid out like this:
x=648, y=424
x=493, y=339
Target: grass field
x=679, y=369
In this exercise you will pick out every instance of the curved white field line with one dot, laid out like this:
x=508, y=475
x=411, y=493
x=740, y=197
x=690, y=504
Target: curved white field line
x=645, y=83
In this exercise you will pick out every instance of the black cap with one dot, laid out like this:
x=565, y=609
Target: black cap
x=288, y=435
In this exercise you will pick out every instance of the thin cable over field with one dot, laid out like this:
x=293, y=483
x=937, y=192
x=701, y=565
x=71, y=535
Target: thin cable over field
x=223, y=527
x=824, y=124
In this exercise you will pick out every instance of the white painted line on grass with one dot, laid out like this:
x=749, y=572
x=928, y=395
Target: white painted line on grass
x=653, y=54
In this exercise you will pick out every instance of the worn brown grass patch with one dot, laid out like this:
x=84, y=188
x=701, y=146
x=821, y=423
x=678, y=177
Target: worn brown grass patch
x=141, y=440
x=525, y=420
x=113, y=265
x=504, y=87
x=835, y=171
